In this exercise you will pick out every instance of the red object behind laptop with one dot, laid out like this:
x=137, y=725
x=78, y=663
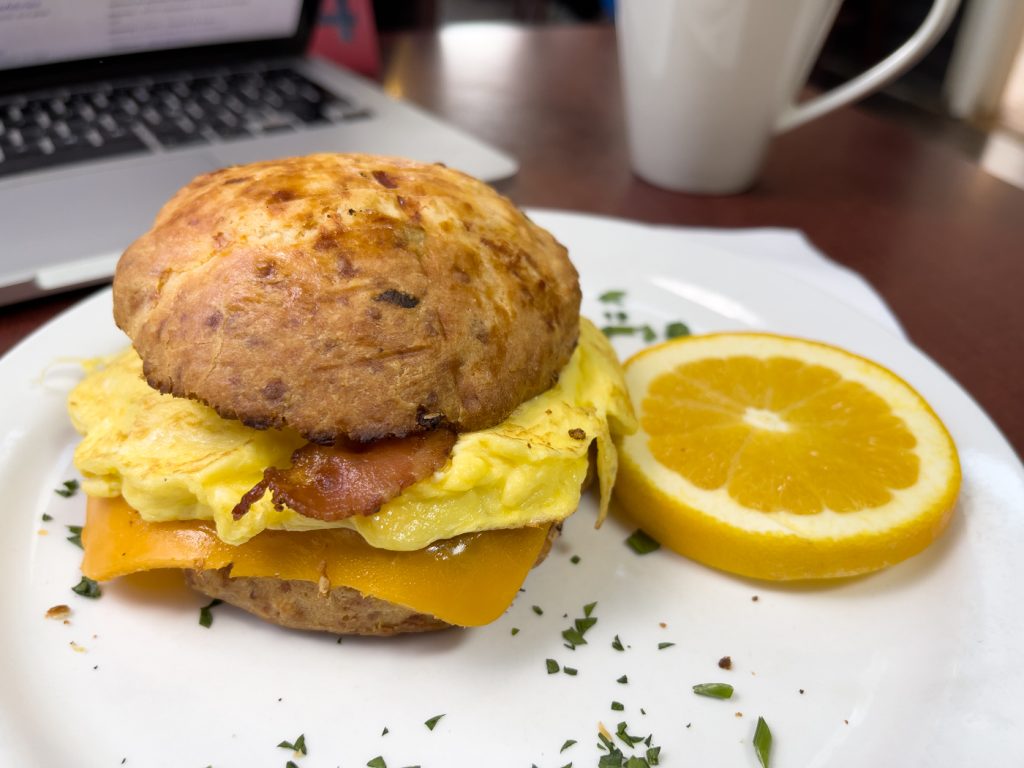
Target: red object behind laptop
x=345, y=33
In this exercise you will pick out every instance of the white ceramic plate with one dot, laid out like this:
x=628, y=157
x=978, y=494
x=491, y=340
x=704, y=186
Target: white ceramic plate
x=917, y=665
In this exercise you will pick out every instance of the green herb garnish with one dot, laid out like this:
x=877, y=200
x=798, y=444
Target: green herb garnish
x=432, y=722
x=617, y=644
x=675, y=330
x=648, y=333
x=206, y=620
x=70, y=487
x=538, y=610
x=714, y=690
x=572, y=671
x=616, y=759
x=385, y=732
x=299, y=745
x=573, y=637
x=290, y=764
x=76, y=535
x=618, y=330
x=47, y=518
x=568, y=743
x=515, y=631
x=622, y=680
x=762, y=742
x=574, y=559
x=612, y=297
x=87, y=588
x=624, y=736
x=642, y=543
x=617, y=706
x=663, y=646
x=377, y=762
x=552, y=666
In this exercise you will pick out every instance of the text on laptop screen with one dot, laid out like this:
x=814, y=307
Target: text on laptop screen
x=47, y=31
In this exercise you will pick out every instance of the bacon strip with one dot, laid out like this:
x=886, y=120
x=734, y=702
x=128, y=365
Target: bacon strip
x=335, y=482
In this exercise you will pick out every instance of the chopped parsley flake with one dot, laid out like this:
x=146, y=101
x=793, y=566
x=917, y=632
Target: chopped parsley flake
x=675, y=330
x=290, y=764
x=714, y=690
x=617, y=644
x=663, y=646
x=573, y=636
x=614, y=758
x=47, y=518
x=574, y=559
x=642, y=543
x=646, y=331
x=622, y=680
x=385, y=731
x=612, y=297
x=432, y=722
x=538, y=610
x=572, y=671
x=299, y=745
x=618, y=330
x=625, y=738
x=377, y=762
x=87, y=588
x=76, y=535
x=617, y=706
x=70, y=487
x=566, y=745
x=762, y=742
x=515, y=631
x=206, y=620
x=552, y=666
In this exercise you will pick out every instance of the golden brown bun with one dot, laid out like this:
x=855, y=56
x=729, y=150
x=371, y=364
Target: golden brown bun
x=348, y=295
x=305, y=605
x=302, y=605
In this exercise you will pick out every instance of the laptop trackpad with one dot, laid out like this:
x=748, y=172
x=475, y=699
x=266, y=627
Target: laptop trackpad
x=88, y=212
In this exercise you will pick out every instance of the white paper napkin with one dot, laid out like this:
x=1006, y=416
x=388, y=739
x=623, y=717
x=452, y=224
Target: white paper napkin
x=786, y=250
x=789, y=251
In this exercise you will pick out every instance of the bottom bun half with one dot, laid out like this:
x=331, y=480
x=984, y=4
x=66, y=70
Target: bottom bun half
x=320, y=607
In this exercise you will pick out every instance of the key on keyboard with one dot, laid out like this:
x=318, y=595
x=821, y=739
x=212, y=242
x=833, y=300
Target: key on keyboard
x=104, y=120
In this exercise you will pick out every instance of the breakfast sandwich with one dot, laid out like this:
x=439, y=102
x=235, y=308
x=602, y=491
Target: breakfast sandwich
x=359, y=397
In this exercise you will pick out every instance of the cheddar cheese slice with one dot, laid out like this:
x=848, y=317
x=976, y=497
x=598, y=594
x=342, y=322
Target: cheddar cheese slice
x=469, y=580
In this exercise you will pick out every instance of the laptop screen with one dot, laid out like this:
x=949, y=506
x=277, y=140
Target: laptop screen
x=35, y=32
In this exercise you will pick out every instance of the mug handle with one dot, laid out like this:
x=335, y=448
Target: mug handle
x=883, y=73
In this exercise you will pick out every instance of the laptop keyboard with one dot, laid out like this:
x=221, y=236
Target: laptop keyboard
x=101, y=120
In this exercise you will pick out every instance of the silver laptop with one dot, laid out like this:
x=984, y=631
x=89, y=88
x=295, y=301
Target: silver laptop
x=107, y=107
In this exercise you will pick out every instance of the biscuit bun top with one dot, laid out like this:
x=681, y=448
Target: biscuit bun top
x=348, y=296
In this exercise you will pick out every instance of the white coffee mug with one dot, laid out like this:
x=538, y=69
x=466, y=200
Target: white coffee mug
x=707, y=83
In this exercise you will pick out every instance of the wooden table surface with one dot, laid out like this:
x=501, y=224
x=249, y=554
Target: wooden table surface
x=939, y=239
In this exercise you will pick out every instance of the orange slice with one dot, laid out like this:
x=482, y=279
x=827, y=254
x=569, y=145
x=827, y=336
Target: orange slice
x=781, y=458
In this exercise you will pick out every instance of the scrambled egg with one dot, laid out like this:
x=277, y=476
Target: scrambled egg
x=176, y=459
